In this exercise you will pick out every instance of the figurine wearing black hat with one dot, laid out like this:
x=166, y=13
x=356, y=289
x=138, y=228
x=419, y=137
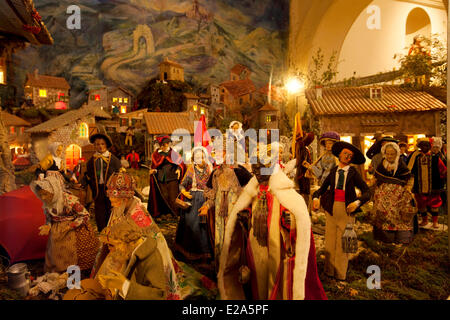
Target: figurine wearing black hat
x=338, y=198
x=166, y=172
x=98, y=170
x=374, y=151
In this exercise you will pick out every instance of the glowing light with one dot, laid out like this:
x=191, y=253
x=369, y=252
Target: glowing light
x=123, y=109
x=347, y=139
x=60, y=105
x=84, y=130
x=194, y=107
x=2, y=78
x=294, y=85
x=42, y=93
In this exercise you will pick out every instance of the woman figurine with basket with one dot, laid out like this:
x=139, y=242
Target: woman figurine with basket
x=393, y=207
x=192, y=235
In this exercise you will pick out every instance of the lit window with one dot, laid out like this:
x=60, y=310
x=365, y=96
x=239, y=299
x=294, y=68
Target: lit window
x=84, y=130
x=347, y=139
x=120, y=100
x=97, y=97
x=114, y=99
x=2, y=70
x=22, y=130
x=42, y=93
x=412, y=141
x=125, y=100
x=123, y=109
x=12, y=130
x=194, y=107
x=368, y=142
x=202, y=110
x=268, y=118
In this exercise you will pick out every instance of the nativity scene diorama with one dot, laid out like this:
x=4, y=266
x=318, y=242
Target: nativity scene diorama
x=212, y=150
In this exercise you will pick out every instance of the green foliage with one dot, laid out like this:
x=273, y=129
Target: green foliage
x=30, y=113
x=168, y=97
x=312, y=123
x=416, y=271
x=430, y=62
x=416, y=65
x=121, y=149
x=285, y=125
x=317, y=77
x=142, y=177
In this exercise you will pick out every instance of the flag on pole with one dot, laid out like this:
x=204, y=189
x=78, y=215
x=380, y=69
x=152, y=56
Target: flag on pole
x=298, y=132
x=201, y=135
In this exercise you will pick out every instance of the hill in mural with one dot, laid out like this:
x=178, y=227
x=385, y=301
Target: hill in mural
x=123, y=42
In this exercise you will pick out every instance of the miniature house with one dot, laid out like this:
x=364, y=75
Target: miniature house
x=236, y=94
x=268, y=117
x=170, y=70
x=47, y=91
x=114, y=100
x=72, y=129
x=239, y=72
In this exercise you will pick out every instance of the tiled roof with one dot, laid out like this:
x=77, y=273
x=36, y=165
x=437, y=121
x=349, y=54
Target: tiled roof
x=46, y=81
x=237, y=69
x=239, y=88
x=173, y=63
x=12, y=120
x=123, y=89
x=67, y=118
x=268, y=107
x=190, y=96
x=167, y=122
x=356, y=100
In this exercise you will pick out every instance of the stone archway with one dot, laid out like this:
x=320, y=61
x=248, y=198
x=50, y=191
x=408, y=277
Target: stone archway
x=418, y=22
x=143, y=31
x=323, y=24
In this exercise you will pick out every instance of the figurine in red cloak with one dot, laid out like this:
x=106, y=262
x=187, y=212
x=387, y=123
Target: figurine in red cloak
x=167, y=170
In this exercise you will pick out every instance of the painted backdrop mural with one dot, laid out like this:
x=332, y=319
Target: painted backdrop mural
x=123, y=42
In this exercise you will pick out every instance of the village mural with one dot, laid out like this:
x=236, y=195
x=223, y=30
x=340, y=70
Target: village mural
x=123, y=42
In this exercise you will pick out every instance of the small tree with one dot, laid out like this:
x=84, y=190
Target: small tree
x=168, y=97
x=316, y=75
x=427, y=59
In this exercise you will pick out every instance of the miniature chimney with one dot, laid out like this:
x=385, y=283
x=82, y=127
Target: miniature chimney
x=319, y=92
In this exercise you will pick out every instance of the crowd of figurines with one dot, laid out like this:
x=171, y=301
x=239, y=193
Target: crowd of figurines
x=254, y=228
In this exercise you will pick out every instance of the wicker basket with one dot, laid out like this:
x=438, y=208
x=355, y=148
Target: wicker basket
x=181, y=204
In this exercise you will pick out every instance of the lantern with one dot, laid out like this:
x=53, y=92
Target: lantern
x=349, y=239
x=2, y=70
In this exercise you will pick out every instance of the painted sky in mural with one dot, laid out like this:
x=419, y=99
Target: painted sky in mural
x=122, y=42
